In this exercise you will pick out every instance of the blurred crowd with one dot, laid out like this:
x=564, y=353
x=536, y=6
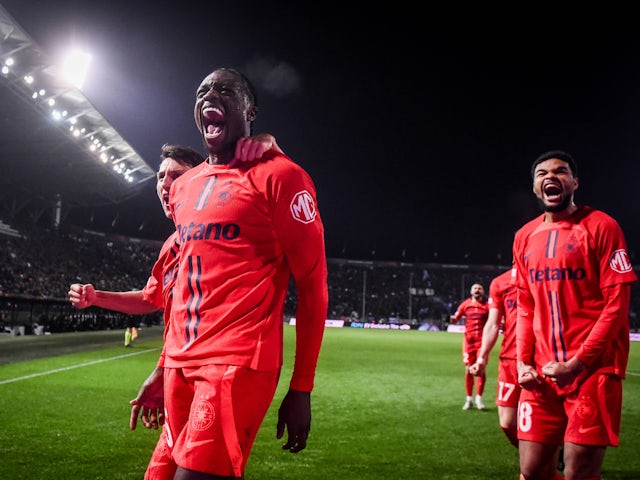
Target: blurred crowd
x=37, y=269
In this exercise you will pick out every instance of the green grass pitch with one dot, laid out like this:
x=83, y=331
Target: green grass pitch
x=387, y=404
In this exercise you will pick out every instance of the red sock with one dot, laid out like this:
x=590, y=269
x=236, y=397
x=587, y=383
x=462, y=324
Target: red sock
x=480, y=384
x=468, y=383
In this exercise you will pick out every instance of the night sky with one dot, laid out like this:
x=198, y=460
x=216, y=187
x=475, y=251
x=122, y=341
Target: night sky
x=418, y=129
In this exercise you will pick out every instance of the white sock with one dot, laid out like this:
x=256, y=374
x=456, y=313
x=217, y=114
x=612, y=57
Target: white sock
x=469, y=399
x=478, y=398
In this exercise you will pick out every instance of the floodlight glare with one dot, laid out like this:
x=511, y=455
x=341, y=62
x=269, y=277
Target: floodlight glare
x=75, y=67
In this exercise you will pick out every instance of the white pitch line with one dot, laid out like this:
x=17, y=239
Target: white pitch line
x=71, y=367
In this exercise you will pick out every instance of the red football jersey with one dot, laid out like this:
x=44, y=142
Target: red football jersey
x=476, y=314
x=562, y=270
x=160, y=284
x=158, y=287
x=502, y=296
x=243, y=232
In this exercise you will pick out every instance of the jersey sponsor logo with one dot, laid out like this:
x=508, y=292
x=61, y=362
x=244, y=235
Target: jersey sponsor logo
x=210, y=231
x=547, y=274
x=303, y=207
x=619, y=261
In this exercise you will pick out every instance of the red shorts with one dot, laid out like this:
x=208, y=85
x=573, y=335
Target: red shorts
x=470, y=348
x=590, y=415
x=508, y=386
x=213, y=414
x=161, y=466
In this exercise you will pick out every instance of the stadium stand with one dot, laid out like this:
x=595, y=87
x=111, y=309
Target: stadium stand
x=37, y=268
x=8, y=230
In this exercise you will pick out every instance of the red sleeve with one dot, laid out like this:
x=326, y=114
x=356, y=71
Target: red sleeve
x=301, y=233
x=153, y=290
x=313, y=297
x=606, y=328
x=525, y=338
x=495, y=295
x=459, y=311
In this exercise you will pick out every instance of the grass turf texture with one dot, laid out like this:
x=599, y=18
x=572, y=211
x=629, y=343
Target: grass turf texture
x=387, y=404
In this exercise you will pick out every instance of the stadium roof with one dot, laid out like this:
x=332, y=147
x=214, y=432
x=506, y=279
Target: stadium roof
x=55, y=147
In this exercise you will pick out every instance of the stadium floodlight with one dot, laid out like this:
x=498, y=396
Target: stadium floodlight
x=75, y=67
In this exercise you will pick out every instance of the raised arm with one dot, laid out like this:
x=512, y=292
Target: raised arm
x=131, y=302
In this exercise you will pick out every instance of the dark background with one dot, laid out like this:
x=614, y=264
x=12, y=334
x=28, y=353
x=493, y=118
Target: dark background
x=418, y=127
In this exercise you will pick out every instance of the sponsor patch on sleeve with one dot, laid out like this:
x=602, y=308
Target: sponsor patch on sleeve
x=619, y=261
x=303, y=208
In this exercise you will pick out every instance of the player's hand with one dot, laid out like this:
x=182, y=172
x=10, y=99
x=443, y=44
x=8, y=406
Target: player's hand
x=149, y=404
x=250, y=149
x=295, y=415
x=563, y=373
x=477, y=369
x=81, y=296
x=528, y=377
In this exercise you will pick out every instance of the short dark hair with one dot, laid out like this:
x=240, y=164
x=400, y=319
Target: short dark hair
x=250, y=89
x=185, y=155
x=560, y=155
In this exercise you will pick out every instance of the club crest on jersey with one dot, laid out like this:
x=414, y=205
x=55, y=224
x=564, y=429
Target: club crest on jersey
x=619, y=261
x=225, y=196
x=303, y=207
x=203, y=416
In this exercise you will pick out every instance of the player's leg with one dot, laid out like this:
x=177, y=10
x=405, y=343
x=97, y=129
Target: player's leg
x=535, y=461
x=507, y=398
x=507, y=417
x=481, y=381
x=594, y=413
x=583, y=462
x=468, y=378
x=541, y=426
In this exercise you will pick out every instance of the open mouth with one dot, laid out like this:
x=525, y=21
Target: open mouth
x=552, y=192
x=213, y=122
